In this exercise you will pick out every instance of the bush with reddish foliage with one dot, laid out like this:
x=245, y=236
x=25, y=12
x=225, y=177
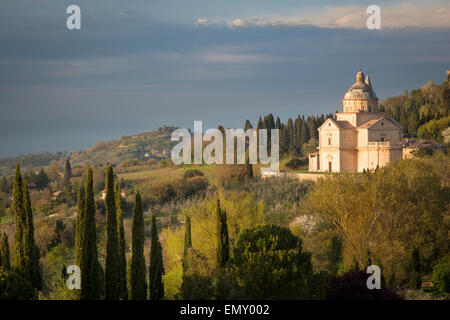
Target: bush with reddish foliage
x=352, y=286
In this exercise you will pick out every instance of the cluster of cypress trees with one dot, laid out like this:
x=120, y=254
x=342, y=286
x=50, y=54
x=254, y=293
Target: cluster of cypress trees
x=294, y=134
x=115, y=275
x=26, y=253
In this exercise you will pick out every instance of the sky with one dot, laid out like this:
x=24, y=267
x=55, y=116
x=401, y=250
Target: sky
x=136, y=65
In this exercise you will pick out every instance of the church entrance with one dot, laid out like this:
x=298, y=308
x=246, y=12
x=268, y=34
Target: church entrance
x=329, y=166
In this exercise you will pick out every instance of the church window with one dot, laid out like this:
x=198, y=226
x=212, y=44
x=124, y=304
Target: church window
x=329, y=166
x=382, y=139
x=329, y=140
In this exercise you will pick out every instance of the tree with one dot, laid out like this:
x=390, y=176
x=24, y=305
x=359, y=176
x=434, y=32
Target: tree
x=4, y=253
x=270, y=264
x=112, y=283
x=415, y=280
x=19, y=221
x=79, y=223
x=32, y=271
x=121, y=246
x=67, y=171
x=4, y=185
x=156, y=269
x=223, y=246
x=42, y=180
x=441, y=276
x=187, y=237
x=90, y=268
x=138, y=283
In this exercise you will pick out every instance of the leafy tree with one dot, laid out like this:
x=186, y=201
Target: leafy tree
x=112, y=283
x=90, y=268
x=270, y=264
x=4, y=253
x=198, y=277
x=138, y=283
x=156, y=269
x=390, y=211
x=441, y=276
x=121, y=246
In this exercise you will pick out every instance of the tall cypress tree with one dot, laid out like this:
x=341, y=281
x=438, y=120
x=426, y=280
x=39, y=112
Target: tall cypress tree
x=187, y=240
x=31, y=251
x=156, y=269
x=79, y=223
x=4, y=253
x=19, y=221
x=223, y=246
x=112, y=284
x=90, y=269
x=138, y=274
x=67, y=171
x=121, y=246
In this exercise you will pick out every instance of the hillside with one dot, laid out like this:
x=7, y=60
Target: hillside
x=144, y=146
x=154, y=144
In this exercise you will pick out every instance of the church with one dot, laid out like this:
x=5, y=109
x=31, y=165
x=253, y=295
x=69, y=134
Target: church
x=358, y=138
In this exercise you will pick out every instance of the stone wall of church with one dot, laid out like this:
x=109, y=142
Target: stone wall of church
x=348, y=160
x=354, y=105
x=347, y=137
x=329, y=158
x=393, y=135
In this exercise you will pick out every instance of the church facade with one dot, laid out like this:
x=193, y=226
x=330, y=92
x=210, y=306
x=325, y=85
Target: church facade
x=360, y=137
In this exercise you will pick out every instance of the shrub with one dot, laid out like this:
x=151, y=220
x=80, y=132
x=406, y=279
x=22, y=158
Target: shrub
x=14, y=287
x=441, y=276
x=295, y=163
x=352, y=286
x=192, y=173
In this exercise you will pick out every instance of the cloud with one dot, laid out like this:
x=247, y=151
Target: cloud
x=398, y=15
x=202, y=22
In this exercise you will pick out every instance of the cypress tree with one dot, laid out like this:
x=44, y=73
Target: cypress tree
x=156, y=269
x=30, y=251
x=415, y=280
x=90, y=269
x=79, y=223
x=4, y=253
x=187, y=240
x=138, y=274
x=67, y=171
x=19, y=221
x=112, y=284
x=223, y=250
x=121, y=246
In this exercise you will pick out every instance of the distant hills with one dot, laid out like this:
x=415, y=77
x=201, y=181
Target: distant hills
x=154, y=144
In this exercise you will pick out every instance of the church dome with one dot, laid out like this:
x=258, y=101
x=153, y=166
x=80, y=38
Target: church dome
x=360, y=97
x=361, y=89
